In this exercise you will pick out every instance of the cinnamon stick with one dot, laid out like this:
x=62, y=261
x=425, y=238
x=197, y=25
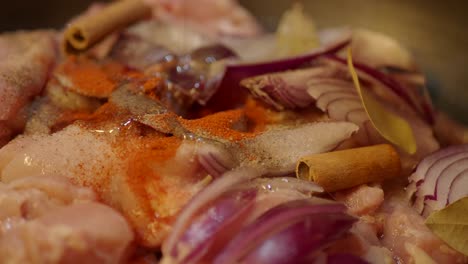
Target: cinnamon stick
x=344, y=169
x=88, y=30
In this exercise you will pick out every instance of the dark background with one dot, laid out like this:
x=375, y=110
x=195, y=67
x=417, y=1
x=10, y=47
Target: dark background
x=436, y=31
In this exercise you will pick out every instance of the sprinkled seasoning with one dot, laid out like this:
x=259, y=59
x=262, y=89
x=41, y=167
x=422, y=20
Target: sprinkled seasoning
x=88, y=77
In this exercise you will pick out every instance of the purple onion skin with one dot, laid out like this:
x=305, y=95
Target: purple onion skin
x=298, y=242
x=428, y=161
x=304, y=224
x=239, y=72
x=345, y=259
x=201, y=200
x=459, y=187
x=223, y=216
x=230, y=94
x=394, y=85
x=427, y=168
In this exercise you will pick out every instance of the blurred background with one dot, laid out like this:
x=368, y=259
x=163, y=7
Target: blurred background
x=435, y=31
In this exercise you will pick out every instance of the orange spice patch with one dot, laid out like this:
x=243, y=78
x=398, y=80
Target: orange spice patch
x=218, y=125
x=90, y=78
x=257, y=114
x=151, y=83
x=233, y=125
x=142, y=164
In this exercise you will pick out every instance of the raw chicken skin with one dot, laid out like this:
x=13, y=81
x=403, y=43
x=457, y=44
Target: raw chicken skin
x=80, y=233
x=145, y=174
x=406, y=235
x=361, y=200
x=25, y=61
x=130, y=173
x=218, y=17
x=47, y=219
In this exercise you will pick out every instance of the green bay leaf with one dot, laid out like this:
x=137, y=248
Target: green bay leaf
x=451, y=225
x=392, y=127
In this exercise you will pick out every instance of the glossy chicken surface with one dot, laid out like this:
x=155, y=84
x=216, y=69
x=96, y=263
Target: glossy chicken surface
x=156, y=142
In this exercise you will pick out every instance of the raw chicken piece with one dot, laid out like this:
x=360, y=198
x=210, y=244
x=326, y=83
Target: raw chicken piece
x=361, y=200
x=213, y=17
x=277, y=150
x=148, y=174
x=80, y=233
x=406, y=235
x=25, y=61
x=32, y=197
x=363, y=241
x=147, y=178
x=47, y=219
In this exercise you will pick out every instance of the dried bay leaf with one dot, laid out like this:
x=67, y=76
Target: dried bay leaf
x=391, y=126
x=296, y=32
x=451, y=225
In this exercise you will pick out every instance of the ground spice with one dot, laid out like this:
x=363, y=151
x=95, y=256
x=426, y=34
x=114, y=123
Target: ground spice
x=258, y=114
x=151, y=84
x=222, y=125
x=232, y=125
x=91, y=78
x=154, y=192
x=144, y=186
x=143, y=158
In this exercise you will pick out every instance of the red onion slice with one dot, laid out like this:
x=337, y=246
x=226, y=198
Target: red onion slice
x=218, y=223
x=317, y=87
x=298, y=228
x=229, y=94
x=276, y=191
x=295, y=243
x=448, y=175
x=442, y=176
x=422, y=107
x=333, y=96
x=210, y=193
x=427, y=190
x=286, y=89
x=210, y=166
x=238, y=72
x=359, y=117
x=458, y=188
x=214, y=160
x=215, y=222
x=339, y=108
x=421, y=170
x=343, y=258
x=325, y=98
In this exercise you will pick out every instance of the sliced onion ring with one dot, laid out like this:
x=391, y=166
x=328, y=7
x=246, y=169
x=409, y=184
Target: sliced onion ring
x=422, y=107
x=207, y=195
x=223, y=218
x=236, y=73
x=288, y=223
x=440, y=179
x=229, y=94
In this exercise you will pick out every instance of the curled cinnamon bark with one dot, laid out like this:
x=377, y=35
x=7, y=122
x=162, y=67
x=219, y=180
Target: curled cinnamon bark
x=88, y=30
x=344, y=169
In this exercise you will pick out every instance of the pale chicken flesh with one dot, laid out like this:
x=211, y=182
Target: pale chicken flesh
x=107, y=156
